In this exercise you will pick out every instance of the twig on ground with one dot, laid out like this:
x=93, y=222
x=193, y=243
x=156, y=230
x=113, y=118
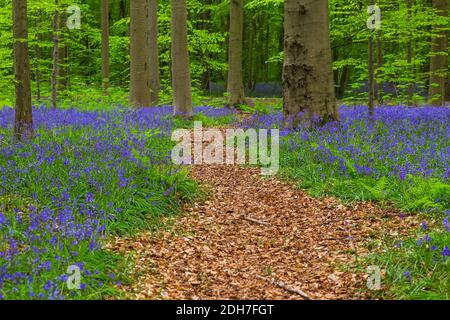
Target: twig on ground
x=256, y=221
x=282, y=285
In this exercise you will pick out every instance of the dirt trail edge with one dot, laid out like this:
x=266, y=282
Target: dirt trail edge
x=259, y=238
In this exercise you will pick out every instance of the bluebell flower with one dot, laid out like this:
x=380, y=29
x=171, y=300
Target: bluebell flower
x=48, y=285
x=445, y=252
x=407, y=275
x=2, y=219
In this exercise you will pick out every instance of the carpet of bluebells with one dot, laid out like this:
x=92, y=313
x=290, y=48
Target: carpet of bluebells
x=86, y=175
x=90, y=174
x=402, y=157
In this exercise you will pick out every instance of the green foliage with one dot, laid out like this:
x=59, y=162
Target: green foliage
x=208, y=41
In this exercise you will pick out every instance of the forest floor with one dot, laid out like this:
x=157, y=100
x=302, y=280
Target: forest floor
x=259, y=238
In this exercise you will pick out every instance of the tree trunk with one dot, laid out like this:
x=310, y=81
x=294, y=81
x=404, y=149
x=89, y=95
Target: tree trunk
x=23, y=125
x=122, y=9
x=56, y=55
x=371, y=72
x=205, y=24
x=307, y=71
x=439, y=58
x=409, y=59
x=343, y=81
x=379, y=84
x=181, y=76
x=105, y=46
x=38, y=68
x=62, y=59
x=250, y=60
x=139, y=53
x=235, y=77
x=154, y=59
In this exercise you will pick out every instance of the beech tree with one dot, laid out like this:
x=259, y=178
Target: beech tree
x=55, y=55
x=23, y=125
x=139, y=54
x=235, y=84
x=371, y=72
x=105, y=46
x=439, y=57
x=153, y=51
x=181, y=76
x=308, y=86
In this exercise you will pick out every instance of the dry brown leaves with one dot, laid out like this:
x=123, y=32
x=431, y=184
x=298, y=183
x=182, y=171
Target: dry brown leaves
x=256, y=232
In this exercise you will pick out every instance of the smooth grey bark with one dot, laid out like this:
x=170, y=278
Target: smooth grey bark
x=307, y=71
x=181, y=76
x=153, y=53
x=235, y=84
x=139, y=54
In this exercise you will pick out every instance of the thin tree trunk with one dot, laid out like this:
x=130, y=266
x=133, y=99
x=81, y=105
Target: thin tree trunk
x=250, y=64
x=55, y=64
x=23, y=124
x=235, y=77
x=205, y=24
x=226, y=26
x=439, y=58
x=371, y=72
x=307, y=71
x=62, y=59
x=105, y=46
x=139, y=53
x=122, y=9
x=409, y=59
x=345, y=76
x=38, y=68
x=379, y=84
x=153, y=57
x=181, y=76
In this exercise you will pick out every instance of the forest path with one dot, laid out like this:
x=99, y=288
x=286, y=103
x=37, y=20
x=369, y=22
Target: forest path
x=258, y=238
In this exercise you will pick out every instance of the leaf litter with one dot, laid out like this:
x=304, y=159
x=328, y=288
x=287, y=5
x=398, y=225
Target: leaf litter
x=259, y=238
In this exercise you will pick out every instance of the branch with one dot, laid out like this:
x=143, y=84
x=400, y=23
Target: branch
x=256, y=221
x=282, y=285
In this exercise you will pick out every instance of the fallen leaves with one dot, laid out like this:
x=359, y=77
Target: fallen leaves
x=253, y=234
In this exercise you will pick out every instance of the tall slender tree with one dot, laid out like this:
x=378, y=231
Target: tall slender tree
x=378, y=71
x=371, y=71
x=409, y=55
x=181, y=76
x=235, y=85
x=62, y=78
x=439, y=57
x=55, y=55
x=307, y=72
x=139, y=54
x=153, y=53
x=105, y=46
x=23, y=125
